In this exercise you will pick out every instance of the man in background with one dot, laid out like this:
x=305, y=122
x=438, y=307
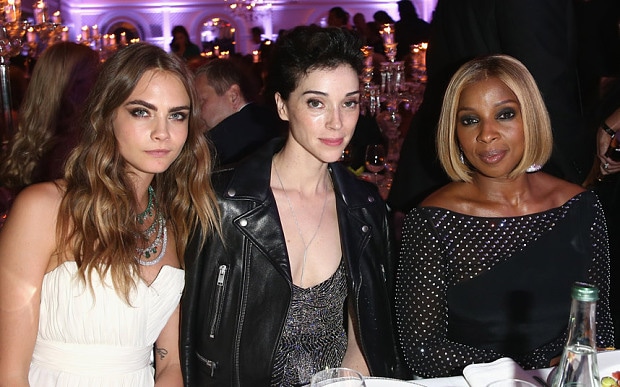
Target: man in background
x=236, y=124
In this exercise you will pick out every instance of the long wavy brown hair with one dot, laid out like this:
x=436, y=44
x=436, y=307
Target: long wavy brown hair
x=97, y=215
x=59, y=84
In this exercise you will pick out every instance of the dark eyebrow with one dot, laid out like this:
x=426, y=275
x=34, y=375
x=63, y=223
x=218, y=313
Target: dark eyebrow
x=141, y=102
x=325, y=94
x=152, y=107
x=179, y=108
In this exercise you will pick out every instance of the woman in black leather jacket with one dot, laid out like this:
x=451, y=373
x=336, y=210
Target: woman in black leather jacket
x=298, y=279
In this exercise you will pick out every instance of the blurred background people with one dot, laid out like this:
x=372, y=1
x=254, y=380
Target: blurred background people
x=181, y=44
x=368, y=33
x=338, y=17
x=485, y=270
x=256, y=33
x=18, y=79
x=409, y=29
x=257, y=39
x=48, y=119
x=236, y=123
x=382, y=17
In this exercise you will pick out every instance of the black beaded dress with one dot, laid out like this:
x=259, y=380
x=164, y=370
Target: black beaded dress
x=314, y=336
x=472, y=289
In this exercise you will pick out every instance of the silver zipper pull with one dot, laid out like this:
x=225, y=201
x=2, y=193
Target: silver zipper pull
x=221, y=275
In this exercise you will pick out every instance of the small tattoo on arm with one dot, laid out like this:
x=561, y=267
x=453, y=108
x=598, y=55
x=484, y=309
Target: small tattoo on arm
x=161, y=352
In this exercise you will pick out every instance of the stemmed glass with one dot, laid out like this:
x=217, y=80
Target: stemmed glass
x=375, y=159
x=345, y=157
x=341, y=377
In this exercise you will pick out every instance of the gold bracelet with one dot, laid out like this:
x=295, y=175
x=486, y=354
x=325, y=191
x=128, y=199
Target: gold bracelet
x=607, y=129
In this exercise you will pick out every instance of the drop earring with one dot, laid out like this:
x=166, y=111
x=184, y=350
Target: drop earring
x=533, y=168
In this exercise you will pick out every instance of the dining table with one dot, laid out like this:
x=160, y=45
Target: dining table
x=482, y=374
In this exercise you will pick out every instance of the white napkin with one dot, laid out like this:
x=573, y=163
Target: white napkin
x=480, y=375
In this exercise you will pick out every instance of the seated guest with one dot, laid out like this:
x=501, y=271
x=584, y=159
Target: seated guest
x=487, y=262
x=338, y=17
x=91, y=268
x=410, y=29
x=298, y=279
x=236, y=124
x=48, y=121
x=181, y=44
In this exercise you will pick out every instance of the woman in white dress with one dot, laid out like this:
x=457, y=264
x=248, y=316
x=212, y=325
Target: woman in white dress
x=91, y=265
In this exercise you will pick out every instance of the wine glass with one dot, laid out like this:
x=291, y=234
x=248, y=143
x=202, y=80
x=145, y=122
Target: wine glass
x=375, y=159
x=345, y=157
x=338, y=377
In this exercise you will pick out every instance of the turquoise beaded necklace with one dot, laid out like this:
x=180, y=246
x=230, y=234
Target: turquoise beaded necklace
x=158, y=227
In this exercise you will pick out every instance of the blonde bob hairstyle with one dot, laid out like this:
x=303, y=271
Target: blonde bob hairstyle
x=536, y=123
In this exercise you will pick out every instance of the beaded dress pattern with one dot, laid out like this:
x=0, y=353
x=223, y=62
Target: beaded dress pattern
x=314, y=336
x=472, y=289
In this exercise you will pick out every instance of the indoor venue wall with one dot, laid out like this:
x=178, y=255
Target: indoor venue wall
x=153, y=21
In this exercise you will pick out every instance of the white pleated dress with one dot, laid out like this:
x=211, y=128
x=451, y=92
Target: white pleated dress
x=100, y=341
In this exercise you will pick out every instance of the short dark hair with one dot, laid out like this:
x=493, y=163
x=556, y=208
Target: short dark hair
x=340, y=14
x=407, y=9
x=307, y=48
x=222, y=73
x=180, y=30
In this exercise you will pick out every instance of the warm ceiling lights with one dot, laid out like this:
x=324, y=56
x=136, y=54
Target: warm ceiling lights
x=249, y=9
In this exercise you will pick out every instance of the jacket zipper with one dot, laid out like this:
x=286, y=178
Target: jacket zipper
x=209, y=363
x=218, y=301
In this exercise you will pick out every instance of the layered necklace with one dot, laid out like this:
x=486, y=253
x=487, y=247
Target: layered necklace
x=157, y=228
x=290, y=206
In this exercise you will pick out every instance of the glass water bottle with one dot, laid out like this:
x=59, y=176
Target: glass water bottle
x=578, y=366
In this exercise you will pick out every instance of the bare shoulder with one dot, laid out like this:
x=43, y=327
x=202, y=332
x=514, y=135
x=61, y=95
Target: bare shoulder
x=35, y=209
x=446, y=196
x=28, y=236
x=38, y=200
x=556, y=190
x=48, y=193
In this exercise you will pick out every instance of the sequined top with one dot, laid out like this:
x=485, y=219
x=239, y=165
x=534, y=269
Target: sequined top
x=314, y=336
x=472, y=289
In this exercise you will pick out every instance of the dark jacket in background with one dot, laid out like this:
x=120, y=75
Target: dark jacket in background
x=242, y=133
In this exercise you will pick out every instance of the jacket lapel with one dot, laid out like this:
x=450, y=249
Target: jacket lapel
x=261, y=223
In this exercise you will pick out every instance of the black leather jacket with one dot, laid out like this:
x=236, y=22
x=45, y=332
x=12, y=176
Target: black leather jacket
x=238, y=290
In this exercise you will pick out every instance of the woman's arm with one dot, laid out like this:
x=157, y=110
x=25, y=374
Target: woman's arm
x=27, y=243
x=599, y=276
x=167, y=362
x=353, y=357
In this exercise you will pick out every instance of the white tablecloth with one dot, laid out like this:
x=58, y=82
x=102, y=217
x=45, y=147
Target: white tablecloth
x=459, y=381
x=608, y=362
